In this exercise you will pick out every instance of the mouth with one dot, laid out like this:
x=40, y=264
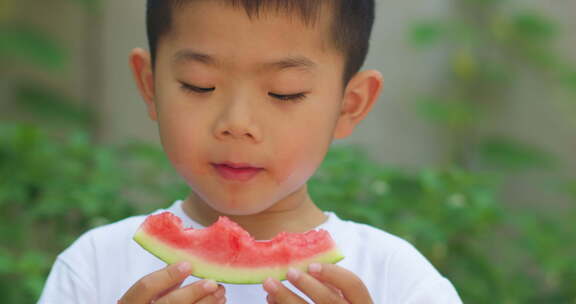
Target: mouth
x=237, y=171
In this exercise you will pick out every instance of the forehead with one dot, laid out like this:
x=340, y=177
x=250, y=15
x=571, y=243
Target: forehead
x=298, y=62
x=212, y=34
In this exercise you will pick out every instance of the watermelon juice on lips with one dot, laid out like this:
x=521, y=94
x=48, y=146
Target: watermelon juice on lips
x=237, y=172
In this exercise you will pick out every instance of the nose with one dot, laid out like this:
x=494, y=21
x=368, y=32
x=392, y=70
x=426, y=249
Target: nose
x=237, y=122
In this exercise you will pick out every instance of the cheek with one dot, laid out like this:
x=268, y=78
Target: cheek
x=181, y=139
x=302, y=151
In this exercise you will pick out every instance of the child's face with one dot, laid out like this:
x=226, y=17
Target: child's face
x=239, y=120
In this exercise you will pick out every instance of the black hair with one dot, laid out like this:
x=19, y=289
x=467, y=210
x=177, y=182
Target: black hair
x=350, y=29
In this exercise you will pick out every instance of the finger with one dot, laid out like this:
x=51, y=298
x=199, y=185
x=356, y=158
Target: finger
x=154, y=284
x=352, y=288
x=167, y=291
x=280, y=294
x=190, y=293
x=270, y=299
x=218, y=297
x=334, y=289
x=313, y=288
x=210, y=300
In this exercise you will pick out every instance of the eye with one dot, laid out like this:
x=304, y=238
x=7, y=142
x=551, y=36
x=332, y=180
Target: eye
x=190, y=88
x=291, y=98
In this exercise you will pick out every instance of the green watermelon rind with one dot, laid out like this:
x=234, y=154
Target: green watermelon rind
x=228, y=274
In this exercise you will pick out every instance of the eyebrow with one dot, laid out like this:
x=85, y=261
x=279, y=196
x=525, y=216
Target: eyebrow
x=295, y=61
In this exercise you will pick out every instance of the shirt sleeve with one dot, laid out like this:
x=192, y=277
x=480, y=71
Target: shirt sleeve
x=434, y=291
x=413, y=280
x=65, y=286
x=72, y=277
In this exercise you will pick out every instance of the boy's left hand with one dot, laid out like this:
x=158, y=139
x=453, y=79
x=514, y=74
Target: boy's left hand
x=325, y=284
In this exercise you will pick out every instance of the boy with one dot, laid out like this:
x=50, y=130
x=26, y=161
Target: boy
x=248, y=96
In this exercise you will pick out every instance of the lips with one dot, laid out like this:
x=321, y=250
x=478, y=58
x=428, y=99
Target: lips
x=237, y=171
x=239, y=165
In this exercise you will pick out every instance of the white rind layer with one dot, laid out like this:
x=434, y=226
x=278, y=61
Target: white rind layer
x=227, y=274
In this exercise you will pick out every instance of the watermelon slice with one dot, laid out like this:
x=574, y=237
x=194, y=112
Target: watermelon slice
x=225, y=252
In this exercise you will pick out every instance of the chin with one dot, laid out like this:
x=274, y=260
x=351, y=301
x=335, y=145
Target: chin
x=238, y=209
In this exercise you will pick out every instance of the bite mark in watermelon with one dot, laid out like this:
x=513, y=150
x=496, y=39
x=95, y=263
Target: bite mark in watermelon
x=225, y=252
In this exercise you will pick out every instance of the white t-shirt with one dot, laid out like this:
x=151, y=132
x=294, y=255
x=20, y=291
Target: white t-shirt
x=104, y=262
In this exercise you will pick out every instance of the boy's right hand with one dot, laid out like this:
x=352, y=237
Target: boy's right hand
x=163, y=286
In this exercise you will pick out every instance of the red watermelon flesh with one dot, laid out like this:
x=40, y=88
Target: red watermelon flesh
x=227, y=253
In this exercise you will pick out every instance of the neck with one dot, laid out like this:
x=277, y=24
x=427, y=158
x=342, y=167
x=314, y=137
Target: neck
x=295, y=213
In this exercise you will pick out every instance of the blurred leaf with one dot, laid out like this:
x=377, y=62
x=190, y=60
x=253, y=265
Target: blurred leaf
x=146, y=152
x=426, y=34
x=6, y=10
x=30, y=46
x=448, y=112
x=533, y=27
x=464, y=63
x=500, y=27
x=91, y=6
x=32, y=262
x=51, y=104
x=541, y=56
x=510, y=154
x=497, y=74
x=35, y=283
x=570, y=188
x=569, y=79
x=6, y=262
x=486, y=2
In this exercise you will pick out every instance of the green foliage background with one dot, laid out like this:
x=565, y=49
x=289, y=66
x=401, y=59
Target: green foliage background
x=56, y=182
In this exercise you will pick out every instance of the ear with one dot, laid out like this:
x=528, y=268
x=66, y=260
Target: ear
x=359, y=97
x=141, y=66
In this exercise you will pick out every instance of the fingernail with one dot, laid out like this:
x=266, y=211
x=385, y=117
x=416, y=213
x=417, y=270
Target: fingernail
x=315, y=268
x=293, y=274
x=270, y=285
x=210, y=286
x=184, y=267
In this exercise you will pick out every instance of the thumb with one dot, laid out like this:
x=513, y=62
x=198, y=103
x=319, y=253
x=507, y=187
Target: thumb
x=156, y=283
